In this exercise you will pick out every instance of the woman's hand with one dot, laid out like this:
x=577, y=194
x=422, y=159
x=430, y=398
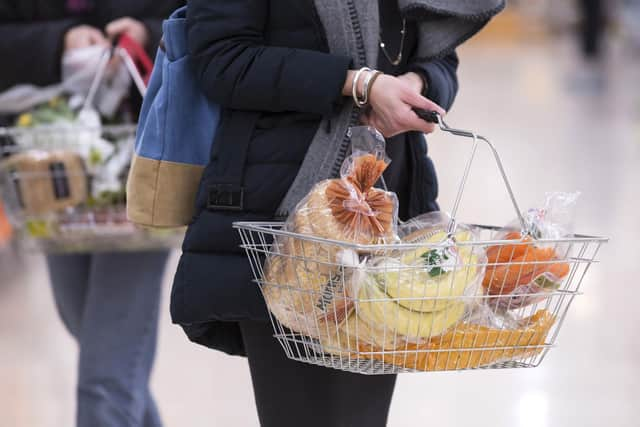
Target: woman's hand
x=83, y=36
x=392, y=101
x=131, y=27
x=416, y=82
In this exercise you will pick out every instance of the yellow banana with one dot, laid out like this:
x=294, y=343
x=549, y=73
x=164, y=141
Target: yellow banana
x=377, y=308
x=416, y=289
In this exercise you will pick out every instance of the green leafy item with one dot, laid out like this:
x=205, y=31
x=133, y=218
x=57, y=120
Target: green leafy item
x=433, y=260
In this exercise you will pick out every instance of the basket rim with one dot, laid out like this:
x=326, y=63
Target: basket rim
x=276, y=228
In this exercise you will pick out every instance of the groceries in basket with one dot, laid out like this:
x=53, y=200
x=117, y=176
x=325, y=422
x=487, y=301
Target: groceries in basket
x=56, y=125
x=523, y=272
x=62, y=178
x=419, y=292
x=305, y=285
x=47, y=181
x=351, y=209
x=351, y=287
x=362, y=279
x=474, y=343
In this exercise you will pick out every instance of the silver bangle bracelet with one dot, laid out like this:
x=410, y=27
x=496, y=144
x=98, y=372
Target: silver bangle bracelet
x=356, y=80
x=370, y=78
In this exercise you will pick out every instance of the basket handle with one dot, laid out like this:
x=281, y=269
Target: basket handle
x=123, y=53
x=436, y=118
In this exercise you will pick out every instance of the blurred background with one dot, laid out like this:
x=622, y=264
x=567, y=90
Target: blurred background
x=554, y=84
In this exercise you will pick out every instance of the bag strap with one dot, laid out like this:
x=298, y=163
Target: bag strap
x=225, y=191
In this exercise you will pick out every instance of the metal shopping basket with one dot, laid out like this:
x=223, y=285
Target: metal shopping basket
x=63, y=184
x=356, y=308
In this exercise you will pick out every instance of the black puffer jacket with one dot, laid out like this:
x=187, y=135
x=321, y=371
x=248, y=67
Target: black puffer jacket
x=32, y=32
x=266, y=62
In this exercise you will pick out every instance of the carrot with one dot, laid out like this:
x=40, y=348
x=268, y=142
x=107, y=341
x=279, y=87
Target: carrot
x=504, y=279
x=506, y=253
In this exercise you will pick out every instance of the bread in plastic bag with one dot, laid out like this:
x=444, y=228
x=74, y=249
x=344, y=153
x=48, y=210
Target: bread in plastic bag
x=47, y=181
x=526, y=271
x=305, y=278
x=302, y=298
x=351, y=209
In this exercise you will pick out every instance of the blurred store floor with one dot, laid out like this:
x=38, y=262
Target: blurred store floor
x=556, y=131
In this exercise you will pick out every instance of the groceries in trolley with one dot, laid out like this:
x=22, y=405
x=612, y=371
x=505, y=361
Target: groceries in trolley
x=351, y=287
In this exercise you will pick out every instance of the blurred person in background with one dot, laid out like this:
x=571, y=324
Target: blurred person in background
x=593, y=25
x=109, y=302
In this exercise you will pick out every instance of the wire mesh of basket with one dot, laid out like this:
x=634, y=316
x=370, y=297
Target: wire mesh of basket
x=456, y=298
x=64, y=189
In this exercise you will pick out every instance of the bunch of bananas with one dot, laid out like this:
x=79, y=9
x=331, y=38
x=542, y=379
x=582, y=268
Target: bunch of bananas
x=416, y=294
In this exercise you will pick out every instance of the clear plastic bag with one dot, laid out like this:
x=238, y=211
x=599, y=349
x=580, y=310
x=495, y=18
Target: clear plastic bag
x=351, y=209
x=411, y=295
x=528, y=270
x=305, y=286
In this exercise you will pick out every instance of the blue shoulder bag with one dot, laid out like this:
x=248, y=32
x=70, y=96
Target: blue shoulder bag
x=176, y=131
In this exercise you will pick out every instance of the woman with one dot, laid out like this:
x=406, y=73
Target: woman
x=109, y=302
x=283, y=70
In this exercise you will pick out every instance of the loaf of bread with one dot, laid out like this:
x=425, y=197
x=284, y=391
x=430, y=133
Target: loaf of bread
x=303, y=298
x=47, y=181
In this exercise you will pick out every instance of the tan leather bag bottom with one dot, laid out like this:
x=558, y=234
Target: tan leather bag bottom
x=160, y=193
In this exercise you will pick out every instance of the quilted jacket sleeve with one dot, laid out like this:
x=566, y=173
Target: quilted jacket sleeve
x=441, y=78
x=237, y=69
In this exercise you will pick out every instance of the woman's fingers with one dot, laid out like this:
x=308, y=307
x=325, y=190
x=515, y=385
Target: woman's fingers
x=392, y=102
x=418, y=124
x=418, y=101
x=132, y=27
x=83, y=36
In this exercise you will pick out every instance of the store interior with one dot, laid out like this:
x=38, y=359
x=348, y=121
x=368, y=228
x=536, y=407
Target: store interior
x=561, y=121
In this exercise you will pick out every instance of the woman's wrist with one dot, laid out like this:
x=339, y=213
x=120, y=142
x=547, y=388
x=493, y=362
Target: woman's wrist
x=359, y=83
x=348, y=83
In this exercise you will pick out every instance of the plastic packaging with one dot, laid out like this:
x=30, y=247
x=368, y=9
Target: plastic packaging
x=471, y=345
x=351, y=209
x=45, y=182
x=414, y=294
x=305, y=279
x=530, y=268
x=484, y=338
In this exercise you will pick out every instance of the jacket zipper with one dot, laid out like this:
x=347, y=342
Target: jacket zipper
x=362, y=58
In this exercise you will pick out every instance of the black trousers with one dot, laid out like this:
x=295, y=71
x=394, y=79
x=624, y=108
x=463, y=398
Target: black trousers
x=294, y=394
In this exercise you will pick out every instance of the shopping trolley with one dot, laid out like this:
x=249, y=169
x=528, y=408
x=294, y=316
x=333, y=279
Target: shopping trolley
x=335, y=304
x=63, y=184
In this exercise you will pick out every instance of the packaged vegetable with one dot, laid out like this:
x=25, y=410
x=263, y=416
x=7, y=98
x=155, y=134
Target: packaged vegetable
x=526, y=271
